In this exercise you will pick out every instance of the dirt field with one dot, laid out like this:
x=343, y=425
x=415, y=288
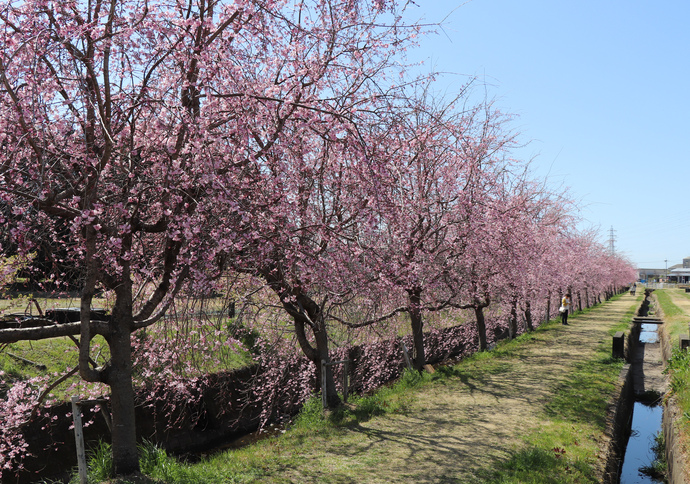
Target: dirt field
x=455, y=432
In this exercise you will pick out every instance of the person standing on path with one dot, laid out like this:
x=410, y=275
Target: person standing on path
x=565, y=308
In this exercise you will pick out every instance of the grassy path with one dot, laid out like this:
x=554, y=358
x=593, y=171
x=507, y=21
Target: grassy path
x=674, y=306
x=536, y=403
x=677, y=316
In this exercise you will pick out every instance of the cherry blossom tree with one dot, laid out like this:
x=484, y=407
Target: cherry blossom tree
x=533, y=214
x=442, y=158
x=161, y=144
x=156, y=132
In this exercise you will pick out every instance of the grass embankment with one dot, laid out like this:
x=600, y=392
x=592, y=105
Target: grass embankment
x=531, y=410
x=675, y=305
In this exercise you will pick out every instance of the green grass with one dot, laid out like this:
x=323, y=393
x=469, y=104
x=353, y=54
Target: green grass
x=658, y=468
x=537, y=465
x=678, y=366
x=584, y=396
x=56, y=354
x=156, y=466
x=563, y=450
x=59, y=355
x=678, y=369
x=251, y=463
x=671, y=311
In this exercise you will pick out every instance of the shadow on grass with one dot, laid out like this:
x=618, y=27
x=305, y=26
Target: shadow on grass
x=580, y=398
x=538, y=466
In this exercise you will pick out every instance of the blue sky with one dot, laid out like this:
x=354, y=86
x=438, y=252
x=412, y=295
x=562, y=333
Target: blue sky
x=601, y=91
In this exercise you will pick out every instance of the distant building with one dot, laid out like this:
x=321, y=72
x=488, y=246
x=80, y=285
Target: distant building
x=651, y=275
x=679, y=273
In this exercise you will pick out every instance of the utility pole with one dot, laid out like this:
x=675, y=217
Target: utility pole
x=666, y=262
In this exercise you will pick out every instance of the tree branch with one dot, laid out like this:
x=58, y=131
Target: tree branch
x=402, y=309
x=50, y=330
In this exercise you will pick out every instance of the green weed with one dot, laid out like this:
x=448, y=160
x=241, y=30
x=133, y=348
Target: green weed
x=678, y=369
x=657, y=469
x=99, y=463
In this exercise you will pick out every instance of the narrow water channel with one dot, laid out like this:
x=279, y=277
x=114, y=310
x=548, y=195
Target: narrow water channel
x=639, y=454
x=647, y=413
x=649, y=333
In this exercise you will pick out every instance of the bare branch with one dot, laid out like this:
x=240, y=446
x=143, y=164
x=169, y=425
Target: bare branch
x=402, y=309
x=48, y=330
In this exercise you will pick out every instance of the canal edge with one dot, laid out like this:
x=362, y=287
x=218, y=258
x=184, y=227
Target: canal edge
x=619, y=411
x=678, y=471
x=618, y=415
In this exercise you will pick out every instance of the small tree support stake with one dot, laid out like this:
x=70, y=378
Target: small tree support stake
x=324, y=365
x=406, y=354
x=79, y=438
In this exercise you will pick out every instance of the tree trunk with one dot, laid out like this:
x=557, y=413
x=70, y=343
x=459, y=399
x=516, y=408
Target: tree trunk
x=579, y=301
x=118, y=375
x=481, y=327
x=528, y=316
x=548, y=308
x=417, y=329
x=305, y=312
x=321, y=339
x=119, y=378
x=512, y=320
x=317, y=355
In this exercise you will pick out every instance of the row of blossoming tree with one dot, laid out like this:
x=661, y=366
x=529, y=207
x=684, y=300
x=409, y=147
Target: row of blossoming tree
x=160, y=145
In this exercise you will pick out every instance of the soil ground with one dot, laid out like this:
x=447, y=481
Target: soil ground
x=453, y=432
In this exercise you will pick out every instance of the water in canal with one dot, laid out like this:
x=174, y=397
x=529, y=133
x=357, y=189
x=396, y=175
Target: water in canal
x=646, y=424
x=649, y=333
